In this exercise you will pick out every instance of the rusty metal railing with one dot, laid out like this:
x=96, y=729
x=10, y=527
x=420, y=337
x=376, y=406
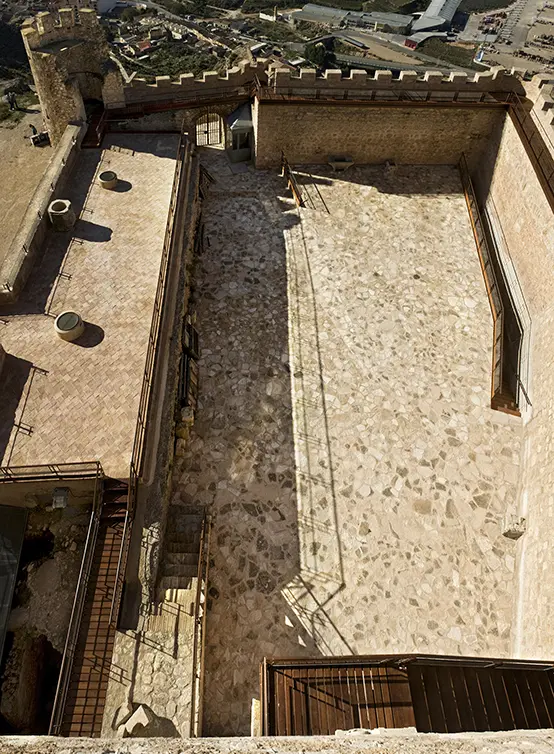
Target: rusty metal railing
x=200, y=615
x=491, y=284
x=537, y=141
x=292, y=183
x=77, y=609
x=136, y=467
x=54, y=471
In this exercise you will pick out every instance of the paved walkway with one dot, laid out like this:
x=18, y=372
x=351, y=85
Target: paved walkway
x=69, y=402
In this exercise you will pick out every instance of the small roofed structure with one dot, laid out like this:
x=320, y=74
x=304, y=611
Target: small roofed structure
x=241, y=127
x=438, y=15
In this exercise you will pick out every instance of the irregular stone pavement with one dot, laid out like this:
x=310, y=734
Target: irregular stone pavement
x=344, y=441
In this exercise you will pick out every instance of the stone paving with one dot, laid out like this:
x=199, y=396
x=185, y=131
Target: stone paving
x=359, y=512
x=68, y=402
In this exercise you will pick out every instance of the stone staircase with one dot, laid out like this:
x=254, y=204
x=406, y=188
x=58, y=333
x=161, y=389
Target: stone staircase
x=179, y=569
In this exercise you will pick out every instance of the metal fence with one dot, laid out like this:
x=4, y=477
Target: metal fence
x=137, y=456
x=54, y=471
x=78, y=604
x=537, y=141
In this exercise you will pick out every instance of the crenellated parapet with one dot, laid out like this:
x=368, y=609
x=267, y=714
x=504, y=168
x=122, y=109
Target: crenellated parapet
x=46, y=28
x=188, y=86
x=67, y=52
x=285, y=81
x=307, y=83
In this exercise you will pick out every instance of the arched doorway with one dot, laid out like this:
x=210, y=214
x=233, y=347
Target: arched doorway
x=209, y=129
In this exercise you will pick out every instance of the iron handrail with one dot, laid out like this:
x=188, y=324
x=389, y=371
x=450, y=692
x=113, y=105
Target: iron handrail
x=542, y=148
x=136, y=466
x=383, y=96
x=57, y=471
x=292, y=183
x=491, y=286
x=200, y=630
x=137, y=459
x=77, y=608
x=405, y=659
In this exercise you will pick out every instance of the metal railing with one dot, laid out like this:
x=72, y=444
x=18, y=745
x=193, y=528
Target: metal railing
x=538, y=142
x=489, y=277
x=341, y=94
x=54, y=471
x=77, y=609
x=191, y=99
x=200, y=615
x=292, y=183
x=136, y=467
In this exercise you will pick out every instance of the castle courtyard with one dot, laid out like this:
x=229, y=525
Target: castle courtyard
x=344, y=442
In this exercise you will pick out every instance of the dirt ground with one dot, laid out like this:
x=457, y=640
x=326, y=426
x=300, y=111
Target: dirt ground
x=21, y=169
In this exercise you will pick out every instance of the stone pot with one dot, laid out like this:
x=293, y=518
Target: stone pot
x=69, y=326
x=61, y=214
x=108, y=179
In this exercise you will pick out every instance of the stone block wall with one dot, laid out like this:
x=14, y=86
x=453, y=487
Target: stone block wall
x=508, y=178
x=307, y=82
x=310, y=133
x=209, y=84
x=65, y=74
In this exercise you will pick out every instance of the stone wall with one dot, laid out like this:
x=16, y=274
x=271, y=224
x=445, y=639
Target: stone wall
x=307, y=82
x=34, y=226
x=211, y=83
x=65, y=74
x=507, y=178
x=309, y=133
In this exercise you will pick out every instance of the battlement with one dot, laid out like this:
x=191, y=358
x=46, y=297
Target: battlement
x=47, y=27
x=210, y=82
x=284, y=81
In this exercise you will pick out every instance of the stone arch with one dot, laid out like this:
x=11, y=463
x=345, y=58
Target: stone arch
x=209, y=129
x=192, y=115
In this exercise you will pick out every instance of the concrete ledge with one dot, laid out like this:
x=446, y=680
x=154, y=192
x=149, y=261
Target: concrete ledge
x=32, y=231
x=512, y=742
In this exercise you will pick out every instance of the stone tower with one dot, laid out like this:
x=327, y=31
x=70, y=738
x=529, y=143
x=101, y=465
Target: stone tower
x=68, y=54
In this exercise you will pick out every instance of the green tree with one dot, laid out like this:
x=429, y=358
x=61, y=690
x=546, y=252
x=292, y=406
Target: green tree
x=319, y=55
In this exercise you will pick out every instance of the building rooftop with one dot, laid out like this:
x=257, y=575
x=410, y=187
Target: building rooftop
x=68, y=402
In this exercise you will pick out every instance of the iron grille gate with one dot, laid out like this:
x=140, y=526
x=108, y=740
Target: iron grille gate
x=208, y=129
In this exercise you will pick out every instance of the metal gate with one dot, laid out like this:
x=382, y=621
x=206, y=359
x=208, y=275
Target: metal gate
x=208, y=129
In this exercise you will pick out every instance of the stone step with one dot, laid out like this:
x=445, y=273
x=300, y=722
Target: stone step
x=186, y=545
x=172, y=569
x=180, y=558
x=178, y=583
x=184, y=597
x=189, y=535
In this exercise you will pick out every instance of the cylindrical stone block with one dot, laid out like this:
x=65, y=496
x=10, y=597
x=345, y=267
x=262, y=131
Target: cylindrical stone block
x=61, y=214
x=69, y=326
x=108, y=179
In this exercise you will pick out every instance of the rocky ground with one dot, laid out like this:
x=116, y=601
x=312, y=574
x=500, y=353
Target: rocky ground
x=38, y=623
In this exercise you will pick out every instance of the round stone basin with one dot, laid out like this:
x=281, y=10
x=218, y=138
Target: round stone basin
x=61, y=214
x=108, y=179
x=69, y=326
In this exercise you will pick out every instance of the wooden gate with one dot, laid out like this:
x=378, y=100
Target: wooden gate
x=208, y=129
x=431, y=693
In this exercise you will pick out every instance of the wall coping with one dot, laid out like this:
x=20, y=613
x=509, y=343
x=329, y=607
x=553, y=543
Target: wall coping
x=15, y=266
x=381, y=741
